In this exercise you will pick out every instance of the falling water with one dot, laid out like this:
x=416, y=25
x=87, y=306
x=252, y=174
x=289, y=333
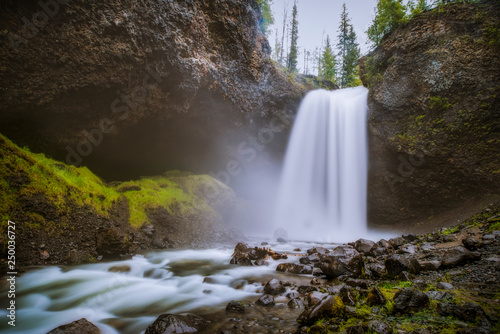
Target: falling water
x=322, y=194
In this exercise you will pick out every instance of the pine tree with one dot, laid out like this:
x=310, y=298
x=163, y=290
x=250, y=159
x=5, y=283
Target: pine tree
x=349, y=52
x=294, y=53
x=389, y=15
x=267, y=15
x=327, y=62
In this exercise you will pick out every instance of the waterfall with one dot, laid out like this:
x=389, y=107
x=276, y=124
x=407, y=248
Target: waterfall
x=322, y=195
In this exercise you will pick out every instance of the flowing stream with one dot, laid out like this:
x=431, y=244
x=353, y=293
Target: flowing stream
x=147, y=286
x=322, y=194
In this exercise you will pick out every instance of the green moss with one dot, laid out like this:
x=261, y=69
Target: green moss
x=27, y=176
x=439, y=103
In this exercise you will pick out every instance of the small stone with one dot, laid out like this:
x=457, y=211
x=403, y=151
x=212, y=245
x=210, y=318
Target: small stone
x=171, y=323
x=488, y=237
x=363, y=245
x=120, y=269
x=379, y=327
x=397, y=242
x=314, y=297
x=303, y=289
x=235, y=307
x=315, y=281
x=444, y=286
x=44, y=255
x=292, y=295
x=82, y=326
x=295, y=303
x=430, y=265
x=407, y=300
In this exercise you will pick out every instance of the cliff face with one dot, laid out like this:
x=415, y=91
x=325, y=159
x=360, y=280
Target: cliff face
x=434, y=116
x=136, y=88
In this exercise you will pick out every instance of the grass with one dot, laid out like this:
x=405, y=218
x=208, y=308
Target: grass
x=26, y=177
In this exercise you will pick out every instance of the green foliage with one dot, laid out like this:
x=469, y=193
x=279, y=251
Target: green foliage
x=349, y=52
x=327, y=63
x=294, y=51
x=267, y=15
x=492, y=33
x=373, y=70
x=417, y=8
x=389, y=15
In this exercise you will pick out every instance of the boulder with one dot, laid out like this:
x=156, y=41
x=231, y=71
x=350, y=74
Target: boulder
x=430, y=265
x=274, y=287
x=457, y=256
x=364, y=246
x=408, y=300
x=175, y=324
x=444, y=286
x=470, y=312
x=397, y=263
x=82, y=326
x=304, y=289
x=344, y=260
x=317, y=250
x=471, y=244
x=376, y=269
x=329, y=307
x=397, y=242
x=241, y=259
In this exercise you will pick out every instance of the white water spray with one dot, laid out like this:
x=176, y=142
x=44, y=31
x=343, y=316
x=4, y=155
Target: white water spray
x=322, y=195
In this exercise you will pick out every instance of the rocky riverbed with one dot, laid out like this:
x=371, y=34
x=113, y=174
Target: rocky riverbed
x=446, y=282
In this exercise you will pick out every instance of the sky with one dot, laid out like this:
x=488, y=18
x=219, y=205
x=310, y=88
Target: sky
x=318, y=18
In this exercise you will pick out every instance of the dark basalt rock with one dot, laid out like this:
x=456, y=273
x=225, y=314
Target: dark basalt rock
x=265, y=300
x=343, y=260
x=82, y=326
x=457, y=256
x=127, y=80
x=274, y=287
x=375, y=297
x=423, y=76
x=407, y=300
x=175, y=324
x=294, y=268
x=398, y=263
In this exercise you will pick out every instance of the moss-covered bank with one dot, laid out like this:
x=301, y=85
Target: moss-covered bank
x=66, y=214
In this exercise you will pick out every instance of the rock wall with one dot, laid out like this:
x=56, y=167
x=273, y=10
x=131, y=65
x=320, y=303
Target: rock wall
x=136, y=88
x=434, y=116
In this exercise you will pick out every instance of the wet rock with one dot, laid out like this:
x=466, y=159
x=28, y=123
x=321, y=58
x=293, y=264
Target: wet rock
x=410, y=237
x=397, y=242
x=315, y=281
x=430, y=265
x=317, y=250
x=278, y=256
x=444, y=286
x=375, y=297
x=261, y=262
x=470, y=312
x=378, y=251
x=292, y=295
x=439, y=295
x=282, y=240
x=397, y=263
x=347, y=297
x=458, y=256
x=274, y=287
x=356, y=329
x=407, y=249
x=315, y=297
x=295, y=303
x=405, y=276
x=235, y=307
x=304, y=260
x=82, y=326
x=265, y=300
x=241, y=259
x=363, y=284
x=304, y=289
x=120, y=269
x=112, y=242
x=314, y=257
x=407, y=300
x=174, y=324
x=343, y=260
x=364, y=246
x=317, y=272
x=335, y=289
x=471, y=244
x=329, y=307
x=264, y=243
x=379, y=327
x=44, y=255
x=376, y=269
x=294, y=268
x=448, y=238
x=427, y=247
